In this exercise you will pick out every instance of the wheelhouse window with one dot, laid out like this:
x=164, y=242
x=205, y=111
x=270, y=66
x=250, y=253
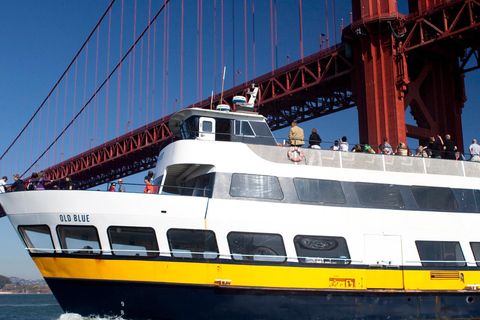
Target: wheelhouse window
x=81, y=240
x=321, y=249
x=37, y=238
x=133, y=241
x=317, y=190
x=264, y=247
x=440, y=253
x=243, y=128
x=379, y=195
x=435, y=198
x=476, y=251
x=193, y=244
x=255, y=186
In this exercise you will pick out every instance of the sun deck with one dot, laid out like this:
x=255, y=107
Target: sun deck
x=375, y=162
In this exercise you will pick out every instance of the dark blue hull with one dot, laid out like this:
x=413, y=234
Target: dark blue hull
x=134, y=300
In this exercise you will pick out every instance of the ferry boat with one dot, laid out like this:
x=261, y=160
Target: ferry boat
x=242, y=228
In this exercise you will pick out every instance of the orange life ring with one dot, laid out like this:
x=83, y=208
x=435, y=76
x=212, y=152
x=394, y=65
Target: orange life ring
x=295, y=154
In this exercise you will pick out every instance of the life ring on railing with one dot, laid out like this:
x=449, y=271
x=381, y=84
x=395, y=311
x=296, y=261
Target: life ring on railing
x=295, y=154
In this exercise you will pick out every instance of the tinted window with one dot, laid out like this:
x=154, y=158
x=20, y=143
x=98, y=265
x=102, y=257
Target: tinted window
x=256, y=246
x=192, y=244
x=476, y=251
x=379, y=195
x=440, y=253
x=79, y=239
x=37, y=238
x=433, y=198
x=200, y=186
x=322, y=249
x=255, y=186
x=315, y=190
x=261, y=129
x=133, y=241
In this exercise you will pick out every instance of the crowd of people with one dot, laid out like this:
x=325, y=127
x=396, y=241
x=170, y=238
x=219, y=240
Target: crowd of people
x=435, y=148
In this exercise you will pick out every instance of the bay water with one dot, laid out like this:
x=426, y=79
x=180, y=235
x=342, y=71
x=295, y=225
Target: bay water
x=36, y=307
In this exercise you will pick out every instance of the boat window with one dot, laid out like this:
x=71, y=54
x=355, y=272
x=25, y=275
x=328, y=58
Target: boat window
x=79, y=240
x=200, y=186
x=193, y=244
x=476, y=251
x=317, y=190
x=261, y=129
x=133, y=241
x=477, y=199
x=264, y=247
x=379, y=195
x=223, y=131
x=37, y=238
x=255, y=186
x=190, y=128
x=435, y=198
x=321, y=249
x=440, y=253
x=242, y=127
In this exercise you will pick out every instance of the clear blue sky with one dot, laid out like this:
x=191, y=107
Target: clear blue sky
x=40, y=38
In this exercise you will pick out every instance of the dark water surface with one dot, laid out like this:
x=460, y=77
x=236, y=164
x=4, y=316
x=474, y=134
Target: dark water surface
x=35, y=307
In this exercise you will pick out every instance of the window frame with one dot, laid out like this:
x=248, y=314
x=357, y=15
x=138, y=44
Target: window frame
x=185, y=253
x=150, y=253
x=79, y=252
x=254, y=252
x=300, y=242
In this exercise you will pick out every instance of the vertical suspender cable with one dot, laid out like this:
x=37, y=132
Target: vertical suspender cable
x=148, y=63
x=326, y=20
x=245, y=32
x=154, y=69
x=85, y=100
x=168, y=52
x=140, y=87
x=221, y=40
x=301, y=28
x=46, y=133
x=215, y=45
x=201, y=48
x=72, y=135
x=164, y=103
x=119, y=85
x=181, y=60
x=253, y=35
x=95, y=114
x=55, y=132
x=64, y=114
x=108, y=68
x=271, y=32
x=334, y=23
x=198, y=49
x=133, y=62
x=234, y=70
x=276, y=40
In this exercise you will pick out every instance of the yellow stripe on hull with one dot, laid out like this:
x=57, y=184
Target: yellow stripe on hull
x=199, y=273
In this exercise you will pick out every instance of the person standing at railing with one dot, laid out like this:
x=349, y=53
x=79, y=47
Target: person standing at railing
x=121, y=186
x=18, y=185
x=344, y=144
x=314, y=140
x=3, y=184
x=148, y=185
x=295, y=136
x=449, y=147
x=474, y=151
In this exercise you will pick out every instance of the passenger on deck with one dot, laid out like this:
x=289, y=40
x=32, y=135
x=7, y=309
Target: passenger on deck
x=387, y=148
x=449, y=148
x=367, y=148
x=421, y=152
x=434, y=147
x=402, y=149
x=344, y=144
x=335, y=146
x=357, y=148
x=41, y=180
x=3, y=184
x=68, y=184
x=474, y=151
x=295, y=136
x=18, y=185
x=314, y=140
x=148, y=185
x=112, y=187
x=121, y=186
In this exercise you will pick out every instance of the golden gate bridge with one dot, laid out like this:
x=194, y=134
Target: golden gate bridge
x=107, y=115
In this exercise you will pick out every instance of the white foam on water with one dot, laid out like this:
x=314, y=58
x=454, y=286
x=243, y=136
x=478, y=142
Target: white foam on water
x=75, y=316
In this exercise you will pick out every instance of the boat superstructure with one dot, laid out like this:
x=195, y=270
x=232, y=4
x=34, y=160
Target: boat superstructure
x=238, y=230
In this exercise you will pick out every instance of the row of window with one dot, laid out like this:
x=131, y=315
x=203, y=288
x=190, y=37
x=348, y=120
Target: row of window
x=369, y=194
x=244, y=246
